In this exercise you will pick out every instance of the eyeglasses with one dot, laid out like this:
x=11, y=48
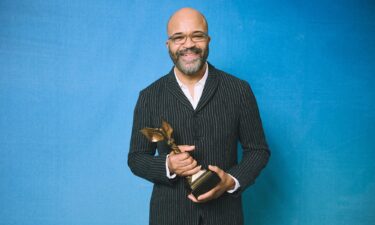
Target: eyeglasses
x=180, y=39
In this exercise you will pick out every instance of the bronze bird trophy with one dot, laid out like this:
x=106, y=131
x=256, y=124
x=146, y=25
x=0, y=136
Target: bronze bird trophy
x=199, y=183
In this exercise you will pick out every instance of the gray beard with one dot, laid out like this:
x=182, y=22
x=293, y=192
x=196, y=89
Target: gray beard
x=193, y=67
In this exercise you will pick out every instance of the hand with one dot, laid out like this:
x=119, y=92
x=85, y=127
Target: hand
x=182, y=163
x=226, y=183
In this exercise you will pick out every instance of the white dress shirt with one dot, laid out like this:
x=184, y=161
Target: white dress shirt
x=198, y=90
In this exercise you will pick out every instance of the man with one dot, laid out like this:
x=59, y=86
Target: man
x=210, y=111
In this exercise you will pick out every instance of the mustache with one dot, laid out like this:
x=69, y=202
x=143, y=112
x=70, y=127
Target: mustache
x=194, y=50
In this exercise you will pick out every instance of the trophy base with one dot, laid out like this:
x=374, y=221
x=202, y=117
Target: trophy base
x=205, y=181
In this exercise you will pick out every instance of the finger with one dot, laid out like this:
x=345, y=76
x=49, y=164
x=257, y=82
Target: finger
x=188, y=165
x=217, y=170
x=186, y=169
x=208, y=195
x=178, y=166
x=175, y=163
x=214, y=168
x=185, y=162
x=181, y=168
x=191, y=197
x=180, y=156
x=191, y=172
x=186, y=148
x=211, y=196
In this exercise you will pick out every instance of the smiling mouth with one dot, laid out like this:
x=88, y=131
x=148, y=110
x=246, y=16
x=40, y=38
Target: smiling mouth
x=188, y=57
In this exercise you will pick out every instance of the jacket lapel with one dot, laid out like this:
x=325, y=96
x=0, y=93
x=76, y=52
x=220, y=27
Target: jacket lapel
x=209, y=90
x=175, y=90
x=210, y=87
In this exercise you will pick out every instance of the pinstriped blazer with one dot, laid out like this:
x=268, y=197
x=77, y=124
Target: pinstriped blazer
x=226, y=114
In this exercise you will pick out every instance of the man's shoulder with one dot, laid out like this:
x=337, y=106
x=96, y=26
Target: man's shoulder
x=156, y=86
x=228, y=79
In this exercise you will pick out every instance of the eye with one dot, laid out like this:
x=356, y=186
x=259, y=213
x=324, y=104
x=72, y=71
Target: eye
x=198, y=37
x=178, y=38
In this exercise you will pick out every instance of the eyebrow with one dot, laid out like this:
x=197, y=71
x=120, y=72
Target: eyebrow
x=178, y=33
x=181, y=33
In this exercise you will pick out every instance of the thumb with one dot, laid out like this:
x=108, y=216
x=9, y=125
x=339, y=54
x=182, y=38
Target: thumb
x=217, y=170
x=186, y=148
x=214, y=168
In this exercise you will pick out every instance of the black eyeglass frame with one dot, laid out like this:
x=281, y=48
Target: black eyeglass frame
x=180, y=38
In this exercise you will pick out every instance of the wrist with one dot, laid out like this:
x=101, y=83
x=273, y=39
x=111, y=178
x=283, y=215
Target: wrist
x=171, y=171
x=231, y=184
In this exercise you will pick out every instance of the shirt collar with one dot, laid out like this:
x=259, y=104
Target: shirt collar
x=202, y=81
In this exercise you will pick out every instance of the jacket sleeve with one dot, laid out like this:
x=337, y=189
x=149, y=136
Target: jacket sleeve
x=142, y=158
x=255, y=149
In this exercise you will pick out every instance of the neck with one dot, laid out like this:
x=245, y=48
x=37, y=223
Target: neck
x=190, y=79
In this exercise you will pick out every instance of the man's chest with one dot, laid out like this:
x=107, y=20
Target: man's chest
x=219, y=116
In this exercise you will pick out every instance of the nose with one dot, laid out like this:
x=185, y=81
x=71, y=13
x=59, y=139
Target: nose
x=188, y=43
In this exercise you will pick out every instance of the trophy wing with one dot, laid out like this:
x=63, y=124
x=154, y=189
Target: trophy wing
x=153, y=134
x=167, y=128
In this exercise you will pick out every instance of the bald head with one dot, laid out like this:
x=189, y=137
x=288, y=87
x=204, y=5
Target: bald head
x=188, y=42
x=186, y=19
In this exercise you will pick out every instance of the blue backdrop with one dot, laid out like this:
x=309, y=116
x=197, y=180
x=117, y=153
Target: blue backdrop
x=71, y=72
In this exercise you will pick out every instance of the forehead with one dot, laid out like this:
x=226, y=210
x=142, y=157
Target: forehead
x=186, y=24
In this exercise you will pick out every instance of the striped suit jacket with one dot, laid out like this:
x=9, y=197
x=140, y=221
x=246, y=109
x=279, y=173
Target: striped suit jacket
x=226, y=114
